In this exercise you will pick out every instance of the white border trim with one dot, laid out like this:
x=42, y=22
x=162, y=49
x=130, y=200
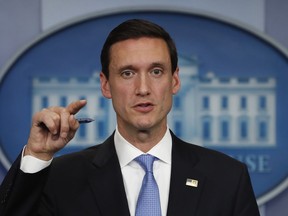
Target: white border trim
x=273, y=193
x=3, y=159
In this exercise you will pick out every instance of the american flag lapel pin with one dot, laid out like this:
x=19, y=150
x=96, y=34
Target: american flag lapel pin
x=192, y=182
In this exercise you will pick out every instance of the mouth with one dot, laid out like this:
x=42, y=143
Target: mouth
x=144, y=107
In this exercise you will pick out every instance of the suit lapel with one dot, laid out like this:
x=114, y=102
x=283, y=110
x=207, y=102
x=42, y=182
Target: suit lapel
x=107, y=183
x=184, y=199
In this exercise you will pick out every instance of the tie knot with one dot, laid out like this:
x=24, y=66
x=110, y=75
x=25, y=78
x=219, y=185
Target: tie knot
x=146, y=162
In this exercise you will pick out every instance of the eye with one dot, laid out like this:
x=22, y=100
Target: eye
x=157, y=72
x=127, y=74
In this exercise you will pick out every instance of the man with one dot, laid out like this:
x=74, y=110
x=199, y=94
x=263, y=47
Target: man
x=140, y=75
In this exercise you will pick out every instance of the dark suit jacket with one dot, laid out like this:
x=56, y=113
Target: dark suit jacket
x=90, y=183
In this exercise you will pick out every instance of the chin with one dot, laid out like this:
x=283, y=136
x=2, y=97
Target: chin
x=144, y=125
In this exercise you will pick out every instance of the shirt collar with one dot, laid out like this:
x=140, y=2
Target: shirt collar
x=127, y=152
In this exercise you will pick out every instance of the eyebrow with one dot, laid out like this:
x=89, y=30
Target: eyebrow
x=158, y=64
x=126, y=67
x=131, y=67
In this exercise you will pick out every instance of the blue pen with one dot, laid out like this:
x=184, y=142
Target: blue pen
x=84, y=120
x=80, y=120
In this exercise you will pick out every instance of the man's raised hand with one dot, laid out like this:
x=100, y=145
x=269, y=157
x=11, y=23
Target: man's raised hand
x=52, y=128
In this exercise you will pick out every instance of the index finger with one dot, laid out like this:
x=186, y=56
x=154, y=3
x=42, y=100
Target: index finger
x=74, y=107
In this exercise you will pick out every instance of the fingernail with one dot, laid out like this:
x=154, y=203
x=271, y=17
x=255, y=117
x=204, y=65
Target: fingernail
x=55, y=137
x=63, y=134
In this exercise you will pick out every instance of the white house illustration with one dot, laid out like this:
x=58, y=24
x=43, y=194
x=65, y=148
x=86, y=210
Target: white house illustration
x=209, y=110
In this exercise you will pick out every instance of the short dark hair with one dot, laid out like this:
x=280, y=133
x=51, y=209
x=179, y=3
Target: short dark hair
x=134, y=29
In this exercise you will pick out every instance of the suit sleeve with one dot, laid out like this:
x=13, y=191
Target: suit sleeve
x=246, y=202
x=20, y=192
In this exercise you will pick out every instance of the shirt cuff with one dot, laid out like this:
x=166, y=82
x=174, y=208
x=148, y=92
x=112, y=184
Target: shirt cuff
x=30, y=164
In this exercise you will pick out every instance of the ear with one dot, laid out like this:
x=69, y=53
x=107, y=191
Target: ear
x=105, y=86
x=176, y=83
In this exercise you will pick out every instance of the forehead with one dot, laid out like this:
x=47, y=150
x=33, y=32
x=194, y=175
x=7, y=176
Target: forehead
x=140, y=47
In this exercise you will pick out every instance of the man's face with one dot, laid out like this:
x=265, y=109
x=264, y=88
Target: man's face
x=141, y=83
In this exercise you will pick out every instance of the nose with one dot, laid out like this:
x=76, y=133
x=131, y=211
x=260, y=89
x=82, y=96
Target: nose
x=142, y=85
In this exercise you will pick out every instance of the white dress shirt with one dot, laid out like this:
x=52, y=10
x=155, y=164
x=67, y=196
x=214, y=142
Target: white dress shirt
x=30, y=164
x=133, y=173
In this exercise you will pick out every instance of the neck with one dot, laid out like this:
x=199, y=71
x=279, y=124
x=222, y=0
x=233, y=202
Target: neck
x=144, y=140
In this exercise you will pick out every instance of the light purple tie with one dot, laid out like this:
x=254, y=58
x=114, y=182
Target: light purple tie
x=148, y=203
